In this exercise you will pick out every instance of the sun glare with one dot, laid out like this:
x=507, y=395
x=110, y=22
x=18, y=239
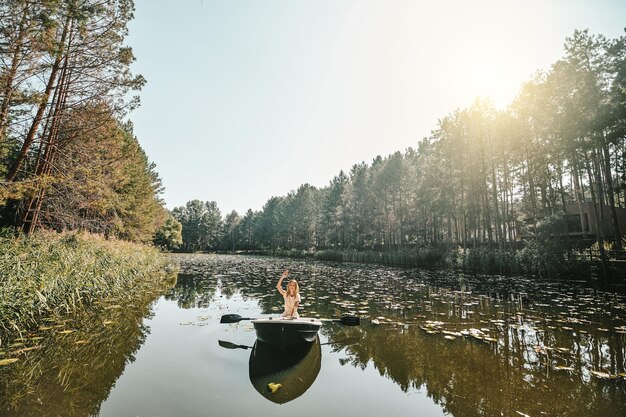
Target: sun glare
x=490, y=81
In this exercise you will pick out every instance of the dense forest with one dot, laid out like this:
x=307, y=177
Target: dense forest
x=68, y=157
x=551, y=164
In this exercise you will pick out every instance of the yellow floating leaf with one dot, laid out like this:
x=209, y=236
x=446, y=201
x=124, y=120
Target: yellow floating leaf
x=564, y=368
x=600, y=374
x=17, y=352
x=8, y=361
x=45, y=327
x=274, y=387
x=66, y=331
x=81, y=342
x=107, y=322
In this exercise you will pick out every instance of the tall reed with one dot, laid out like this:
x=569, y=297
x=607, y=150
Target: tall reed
x=48, y=274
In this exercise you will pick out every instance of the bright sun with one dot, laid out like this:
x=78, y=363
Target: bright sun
x=488, y=81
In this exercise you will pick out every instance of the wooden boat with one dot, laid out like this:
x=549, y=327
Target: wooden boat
x=284, y=332
x=291, y=371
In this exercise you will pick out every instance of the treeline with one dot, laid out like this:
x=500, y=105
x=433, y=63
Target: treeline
x=68, y=160
x=485, y=177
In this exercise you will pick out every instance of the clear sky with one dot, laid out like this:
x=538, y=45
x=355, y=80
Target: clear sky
x=249, y=99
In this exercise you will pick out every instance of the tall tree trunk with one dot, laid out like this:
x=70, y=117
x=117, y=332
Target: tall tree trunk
x=494, y=192
x=45, y=164
x=578, y=194
x=617, y=238
x=44, y=168
x=462, y=212
x=561, y=192
x=30, y=137
x=7, y=95
x=531, y=190
x=600, y=233
x=401, y=222
x=505, y=206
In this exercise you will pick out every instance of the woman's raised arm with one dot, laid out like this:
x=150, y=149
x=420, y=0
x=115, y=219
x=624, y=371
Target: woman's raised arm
x=279, y=285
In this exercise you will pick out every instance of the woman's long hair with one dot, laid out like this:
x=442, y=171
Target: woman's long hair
x=297, y=288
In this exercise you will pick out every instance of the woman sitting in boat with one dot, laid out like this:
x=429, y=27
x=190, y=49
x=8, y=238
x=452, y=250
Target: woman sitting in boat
x=291, y=296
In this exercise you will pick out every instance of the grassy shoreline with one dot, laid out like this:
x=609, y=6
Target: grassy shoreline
x=50, y=274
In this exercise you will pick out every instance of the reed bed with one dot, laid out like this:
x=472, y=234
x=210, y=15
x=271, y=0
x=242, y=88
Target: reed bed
x=421, y=258
x=48, y=274
x=531, y=260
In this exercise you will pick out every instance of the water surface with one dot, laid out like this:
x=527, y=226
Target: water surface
x=432, y=343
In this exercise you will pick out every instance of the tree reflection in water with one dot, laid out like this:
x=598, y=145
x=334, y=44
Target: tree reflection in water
x=69, y=366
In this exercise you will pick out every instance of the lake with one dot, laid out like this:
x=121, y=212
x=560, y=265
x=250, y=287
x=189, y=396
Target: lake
x=430, y=343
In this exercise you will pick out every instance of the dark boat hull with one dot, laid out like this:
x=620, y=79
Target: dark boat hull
x=285, y=333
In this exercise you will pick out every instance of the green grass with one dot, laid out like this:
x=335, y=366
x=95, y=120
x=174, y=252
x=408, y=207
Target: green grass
x=50, y=274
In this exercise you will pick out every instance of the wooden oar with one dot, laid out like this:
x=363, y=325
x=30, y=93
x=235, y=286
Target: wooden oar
x=229, y=345
x=234, y=318
x=345, y=320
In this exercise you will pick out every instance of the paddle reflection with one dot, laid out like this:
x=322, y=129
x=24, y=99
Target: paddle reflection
x=284, y=375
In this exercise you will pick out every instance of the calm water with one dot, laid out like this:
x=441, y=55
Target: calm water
x=431, y=344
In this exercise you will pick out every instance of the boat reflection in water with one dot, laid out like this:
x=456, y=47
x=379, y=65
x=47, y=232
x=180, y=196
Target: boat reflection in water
x=295, y=369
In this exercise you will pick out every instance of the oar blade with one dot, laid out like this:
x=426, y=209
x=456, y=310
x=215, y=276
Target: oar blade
x=350, y=320
x=229, y=345
x=231, y=318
